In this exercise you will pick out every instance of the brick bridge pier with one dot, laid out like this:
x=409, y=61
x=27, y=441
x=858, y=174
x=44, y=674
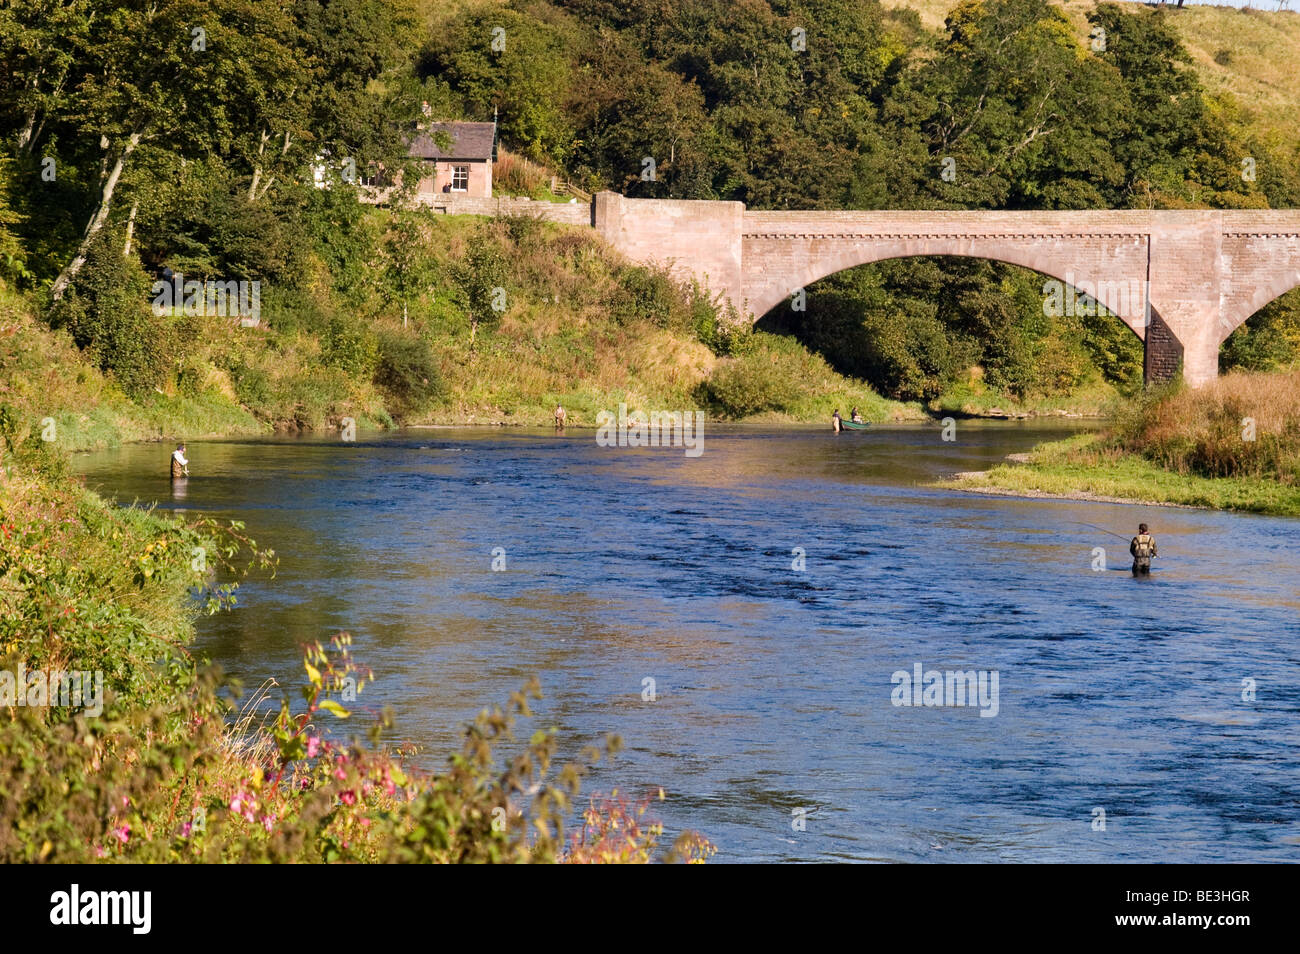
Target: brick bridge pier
x=1181, y=280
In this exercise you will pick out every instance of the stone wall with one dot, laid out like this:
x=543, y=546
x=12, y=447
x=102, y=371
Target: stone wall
x=693, y=239
x=570, y=213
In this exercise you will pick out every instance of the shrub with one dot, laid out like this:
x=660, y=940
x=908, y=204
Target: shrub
x=350, y=346
x=759, y=379
x=645, y=294
x=407, y=371
x=106, y=310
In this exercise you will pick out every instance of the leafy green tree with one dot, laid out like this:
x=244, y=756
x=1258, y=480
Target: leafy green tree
x=38, y=44
x=161, y=72
x=107, y=313
x=504, y=60
x=481, y=279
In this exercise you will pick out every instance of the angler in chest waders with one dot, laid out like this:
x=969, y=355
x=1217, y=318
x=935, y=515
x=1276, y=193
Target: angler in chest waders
x=180, y=466
x=1143, y=548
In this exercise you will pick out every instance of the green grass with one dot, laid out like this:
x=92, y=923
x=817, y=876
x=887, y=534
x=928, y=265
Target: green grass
x=43, y=375
x=971, y=397
x=1084, y=467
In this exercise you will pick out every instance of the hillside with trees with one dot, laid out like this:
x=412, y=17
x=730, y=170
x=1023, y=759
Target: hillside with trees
x=180, y=136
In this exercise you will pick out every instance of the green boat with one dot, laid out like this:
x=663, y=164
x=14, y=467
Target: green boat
x=852, y=426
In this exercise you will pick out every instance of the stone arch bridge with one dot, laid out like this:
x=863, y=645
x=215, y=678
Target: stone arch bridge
x=1181, y=280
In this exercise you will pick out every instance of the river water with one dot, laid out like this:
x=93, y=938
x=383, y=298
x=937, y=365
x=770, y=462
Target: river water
x=771, y=720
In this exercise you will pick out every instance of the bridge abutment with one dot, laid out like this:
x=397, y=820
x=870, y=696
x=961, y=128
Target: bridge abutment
x=695, y=240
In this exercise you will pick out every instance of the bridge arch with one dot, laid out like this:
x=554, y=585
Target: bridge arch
x=1268, y=291
x=1126, y=299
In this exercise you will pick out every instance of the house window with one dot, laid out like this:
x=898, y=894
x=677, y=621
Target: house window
x=460, y=178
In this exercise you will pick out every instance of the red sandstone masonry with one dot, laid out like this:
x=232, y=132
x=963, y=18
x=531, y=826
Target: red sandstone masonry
x=1208, y=271
x=570, y=213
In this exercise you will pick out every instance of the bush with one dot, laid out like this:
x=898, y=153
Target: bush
x=106, y=310
x=407, y=371
x=645, y=294
x=350, y=346
x=760, y=379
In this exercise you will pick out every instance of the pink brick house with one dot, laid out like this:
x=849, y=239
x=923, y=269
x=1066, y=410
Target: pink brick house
x=464, y=168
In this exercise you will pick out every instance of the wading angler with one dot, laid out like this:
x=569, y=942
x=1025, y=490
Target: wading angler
x=657, y=429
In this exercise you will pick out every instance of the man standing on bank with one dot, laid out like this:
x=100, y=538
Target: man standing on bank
x=1143, y=549
x=180, y=466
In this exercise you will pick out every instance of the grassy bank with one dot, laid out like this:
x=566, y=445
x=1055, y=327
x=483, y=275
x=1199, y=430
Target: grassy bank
x=44, y=377
x=153, y=760
x=393, y=333
x=1095, y=398
x=1233, y=446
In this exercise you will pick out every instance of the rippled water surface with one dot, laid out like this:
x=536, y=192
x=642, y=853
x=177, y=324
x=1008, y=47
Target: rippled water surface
x=773, y=686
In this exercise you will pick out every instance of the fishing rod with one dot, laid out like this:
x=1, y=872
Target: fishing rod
x=1102, y=529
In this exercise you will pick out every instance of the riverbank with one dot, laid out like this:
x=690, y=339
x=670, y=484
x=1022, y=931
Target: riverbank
x=1079, y=468
x=118, y=744
x=1234, y=445
x=580, y=327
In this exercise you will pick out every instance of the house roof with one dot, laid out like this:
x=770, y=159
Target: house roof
x=468, y=141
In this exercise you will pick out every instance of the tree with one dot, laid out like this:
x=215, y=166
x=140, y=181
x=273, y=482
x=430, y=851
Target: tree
x=171, y=73
x=38, y=40
x=481, y=281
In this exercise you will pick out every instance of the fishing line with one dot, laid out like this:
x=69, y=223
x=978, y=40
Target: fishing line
x=1102, y=529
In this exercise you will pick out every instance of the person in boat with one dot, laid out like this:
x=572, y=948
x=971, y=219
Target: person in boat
x=560, y=416
x=835, y=420
x=855, y=417
x=1143, y=548
x=180, y=466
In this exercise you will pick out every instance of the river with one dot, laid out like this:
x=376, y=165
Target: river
x=771, y=720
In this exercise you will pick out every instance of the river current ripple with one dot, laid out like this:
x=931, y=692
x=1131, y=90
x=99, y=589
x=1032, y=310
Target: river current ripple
x=772, y=726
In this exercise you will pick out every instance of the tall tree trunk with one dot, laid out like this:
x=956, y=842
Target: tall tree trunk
x=25, y=135
x=257, y=167
x=97, y=220
x=130, y=229
x=254, y=194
